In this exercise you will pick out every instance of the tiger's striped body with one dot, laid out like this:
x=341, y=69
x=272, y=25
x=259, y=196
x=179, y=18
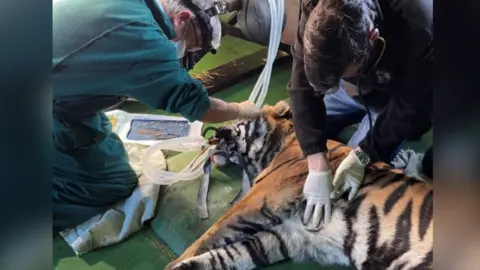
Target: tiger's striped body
x=389, y=225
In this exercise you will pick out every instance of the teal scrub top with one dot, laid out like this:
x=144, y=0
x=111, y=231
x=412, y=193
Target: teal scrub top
x=104, y=50
x=120, y=48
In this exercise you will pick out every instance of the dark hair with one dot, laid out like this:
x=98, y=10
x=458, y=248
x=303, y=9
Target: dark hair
x=336, y=35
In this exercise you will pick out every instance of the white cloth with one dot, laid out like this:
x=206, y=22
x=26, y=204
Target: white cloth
x=410, y=162
x=123, y=219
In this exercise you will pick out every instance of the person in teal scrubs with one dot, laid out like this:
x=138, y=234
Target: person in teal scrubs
x=104, y=52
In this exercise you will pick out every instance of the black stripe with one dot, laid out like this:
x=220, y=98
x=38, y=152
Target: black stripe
x=353, y=206
x=351, y=215
x=375, y=169
x=291, y=208
x=304, y=174
x=349, y=241
x=257, y=136
x=193, y=265
x=236, y=250
x=256, y=226
x=426, y=214
x=267, y=213
x=252, y=138
x=426, y=263
x=381, y=257
x=260, y=249
x=244, y=230
x=403, y=229
x=212, y=260
x=297, y=160
x=270, y=156
x=331, y=151
x=228, y=240
x=221, y=260
x=395, y=196
x=374, y=230
x=254, y=255
x=279, y=165
x=374, y=179
x=282, y=245
x=395, y=179
x=292, y=204
x=272, y=144
x=400, y=266
x=229, y=254
x=373, y=236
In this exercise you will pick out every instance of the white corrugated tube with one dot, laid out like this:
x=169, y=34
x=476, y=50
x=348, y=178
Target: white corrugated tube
x=157, y=173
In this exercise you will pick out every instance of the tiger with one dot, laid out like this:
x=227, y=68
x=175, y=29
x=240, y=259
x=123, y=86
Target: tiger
x=388, y=225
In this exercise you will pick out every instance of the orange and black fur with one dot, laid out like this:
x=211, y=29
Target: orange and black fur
x=389, y=225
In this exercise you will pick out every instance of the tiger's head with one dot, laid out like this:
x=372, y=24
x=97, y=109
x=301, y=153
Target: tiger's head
x=259, y=140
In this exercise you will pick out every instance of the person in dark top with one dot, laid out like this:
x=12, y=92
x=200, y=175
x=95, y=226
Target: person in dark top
x=358, y=61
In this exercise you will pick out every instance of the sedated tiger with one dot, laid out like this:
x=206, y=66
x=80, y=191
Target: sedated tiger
x=389, y=225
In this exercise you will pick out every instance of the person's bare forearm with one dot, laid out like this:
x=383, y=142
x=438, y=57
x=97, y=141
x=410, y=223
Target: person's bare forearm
x=220, y=111
x=318, y=162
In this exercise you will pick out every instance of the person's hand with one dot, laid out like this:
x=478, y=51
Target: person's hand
x=247, y=110
x=316, y=191
x=349, y=175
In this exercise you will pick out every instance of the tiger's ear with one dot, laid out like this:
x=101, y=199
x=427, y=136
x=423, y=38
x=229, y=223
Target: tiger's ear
x=282, y=109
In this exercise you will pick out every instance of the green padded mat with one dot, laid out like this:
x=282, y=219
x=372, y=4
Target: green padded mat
x=177, y=223
x=142, y=251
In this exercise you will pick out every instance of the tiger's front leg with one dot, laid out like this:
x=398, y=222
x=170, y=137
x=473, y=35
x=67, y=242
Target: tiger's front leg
x=259, y=250
x=270, y=202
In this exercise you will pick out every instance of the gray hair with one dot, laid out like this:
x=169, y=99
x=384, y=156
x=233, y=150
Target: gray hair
x=177, y=6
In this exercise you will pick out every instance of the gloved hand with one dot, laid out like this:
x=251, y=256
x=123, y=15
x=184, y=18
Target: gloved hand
x=316, y=191
x=247, y=110
x=349, y=175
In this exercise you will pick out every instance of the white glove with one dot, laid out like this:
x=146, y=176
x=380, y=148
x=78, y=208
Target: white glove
x=316, y=191
x=247, y=110
x=349, y=175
